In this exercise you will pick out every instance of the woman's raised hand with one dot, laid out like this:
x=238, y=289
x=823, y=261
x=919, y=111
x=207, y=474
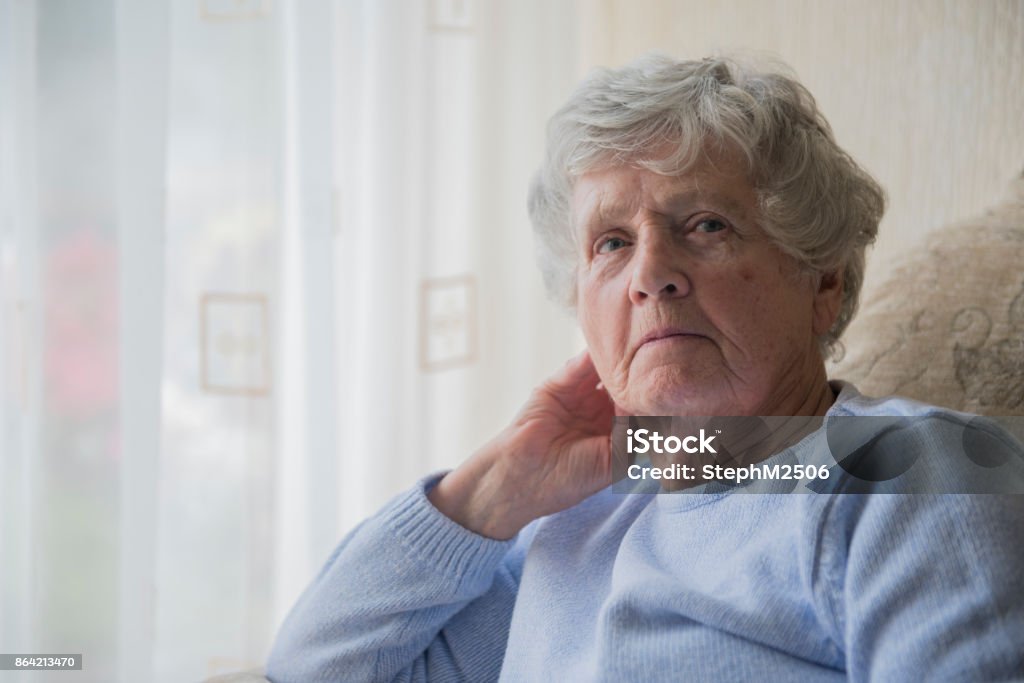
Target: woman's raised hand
x=556, y=452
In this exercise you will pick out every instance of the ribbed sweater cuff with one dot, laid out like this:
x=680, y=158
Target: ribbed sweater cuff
x=441, y=542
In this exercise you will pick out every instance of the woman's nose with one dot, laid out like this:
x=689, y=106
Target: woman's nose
x=657, y=272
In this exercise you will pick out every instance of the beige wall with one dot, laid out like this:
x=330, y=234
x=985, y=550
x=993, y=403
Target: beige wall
x=928, y=95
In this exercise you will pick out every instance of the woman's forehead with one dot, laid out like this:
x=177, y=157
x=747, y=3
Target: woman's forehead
x=617, y=193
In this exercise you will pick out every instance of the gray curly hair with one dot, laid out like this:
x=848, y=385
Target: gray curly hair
x=816, y=203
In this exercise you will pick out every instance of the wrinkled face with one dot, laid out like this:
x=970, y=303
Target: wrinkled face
x=686, y=306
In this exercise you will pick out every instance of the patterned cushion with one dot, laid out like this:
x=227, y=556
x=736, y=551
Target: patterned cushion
x=947, y=326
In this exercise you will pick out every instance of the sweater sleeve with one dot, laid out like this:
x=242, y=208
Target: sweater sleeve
x=409, y=595
x=923, y=570
x=927, y=587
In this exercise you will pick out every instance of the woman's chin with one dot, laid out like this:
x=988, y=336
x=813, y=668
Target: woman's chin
x=668, y=391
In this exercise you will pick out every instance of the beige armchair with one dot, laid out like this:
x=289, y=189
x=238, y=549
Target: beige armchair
x=947, y=326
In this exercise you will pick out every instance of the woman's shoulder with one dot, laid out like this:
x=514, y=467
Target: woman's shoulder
x=898, y=445
x=850, y=401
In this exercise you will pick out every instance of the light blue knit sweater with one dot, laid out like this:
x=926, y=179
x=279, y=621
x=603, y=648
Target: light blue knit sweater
x=726, y=586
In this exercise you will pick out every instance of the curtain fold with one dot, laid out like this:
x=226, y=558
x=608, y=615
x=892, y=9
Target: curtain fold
x=141, y=123
x=306, y=443
x=20, y=353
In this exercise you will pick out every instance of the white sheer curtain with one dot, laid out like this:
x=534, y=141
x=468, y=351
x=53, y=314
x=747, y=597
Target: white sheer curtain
x=262, y=265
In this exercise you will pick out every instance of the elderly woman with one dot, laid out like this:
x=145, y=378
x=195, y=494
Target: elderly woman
x=710, y=235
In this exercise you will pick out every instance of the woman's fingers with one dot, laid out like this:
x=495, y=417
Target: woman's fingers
x=584, y=406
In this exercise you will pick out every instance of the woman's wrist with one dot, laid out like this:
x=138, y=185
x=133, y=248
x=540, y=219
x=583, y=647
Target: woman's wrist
x=471, y=496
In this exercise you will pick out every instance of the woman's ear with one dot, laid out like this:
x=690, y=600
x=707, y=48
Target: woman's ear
x=828, y=298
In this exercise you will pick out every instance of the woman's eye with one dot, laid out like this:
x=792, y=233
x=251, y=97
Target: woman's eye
x=710, y=225
x=611, y=244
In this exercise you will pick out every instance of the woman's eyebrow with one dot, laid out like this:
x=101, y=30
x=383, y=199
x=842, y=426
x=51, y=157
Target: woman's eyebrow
x=623, y=206
x=613, y=208
x=619, y=208
x=591, y=217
